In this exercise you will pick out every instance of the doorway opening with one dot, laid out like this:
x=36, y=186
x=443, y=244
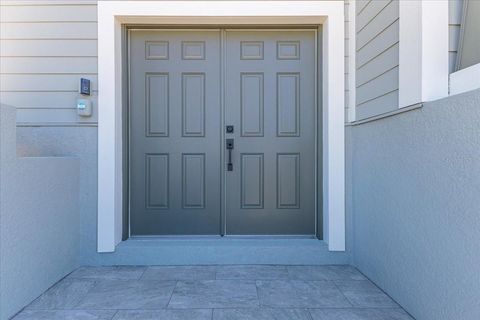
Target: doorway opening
x=222, y=132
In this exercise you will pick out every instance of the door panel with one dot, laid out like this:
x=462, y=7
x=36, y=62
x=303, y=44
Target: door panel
x=175, y=123
x=270, y=98
x=176, y=129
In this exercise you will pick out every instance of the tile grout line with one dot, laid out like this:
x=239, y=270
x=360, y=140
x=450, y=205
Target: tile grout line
x=171, y=295
x=346, y=298
x=258, y=296
x=143, y=273
x=309, y=314
x=113, y=316
x=95, y=283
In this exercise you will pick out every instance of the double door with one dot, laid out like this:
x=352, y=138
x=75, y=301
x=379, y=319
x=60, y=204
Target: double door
x=222, y=132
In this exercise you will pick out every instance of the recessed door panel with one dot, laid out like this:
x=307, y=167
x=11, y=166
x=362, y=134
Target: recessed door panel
x=270, y=96
x=175, y=119
x=197, y=97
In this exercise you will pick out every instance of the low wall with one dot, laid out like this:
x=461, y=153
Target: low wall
x=415, y=181
x=39, y=220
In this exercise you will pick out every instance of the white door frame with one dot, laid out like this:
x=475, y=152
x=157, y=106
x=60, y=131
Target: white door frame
x=111, y=16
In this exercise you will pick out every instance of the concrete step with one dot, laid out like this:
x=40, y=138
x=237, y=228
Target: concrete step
x=222, y=250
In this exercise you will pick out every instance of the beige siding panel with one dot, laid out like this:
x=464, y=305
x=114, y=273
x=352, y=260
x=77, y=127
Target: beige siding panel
x=43, y=82
x=84, y=65
x=49, y=48
x=383, y=104
x=47, y=30
x=47, y=2
x=46, y=47
x=54, y=116
x=382, y=63
x=50, y=13
x=377, y=87
x=370, y=12
x=385, y=40
x=388, y=16
x=43, y=100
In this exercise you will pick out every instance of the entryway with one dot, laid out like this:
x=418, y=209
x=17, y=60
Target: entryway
x=222, y=131
x=236, y=292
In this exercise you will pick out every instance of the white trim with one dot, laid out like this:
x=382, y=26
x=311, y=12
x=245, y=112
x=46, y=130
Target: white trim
x=465, y=80
x=352, y=89
x=423, y=74
x=111, y=14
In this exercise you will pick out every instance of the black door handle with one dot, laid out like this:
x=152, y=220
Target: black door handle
x=229, y=145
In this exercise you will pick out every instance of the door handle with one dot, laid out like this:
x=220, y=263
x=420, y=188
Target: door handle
x=229, y=146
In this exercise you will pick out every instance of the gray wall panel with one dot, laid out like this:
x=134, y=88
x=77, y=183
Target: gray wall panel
x=416, y=181
x=40, y=221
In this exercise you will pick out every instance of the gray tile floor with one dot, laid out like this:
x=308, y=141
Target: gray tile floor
x=237, y=292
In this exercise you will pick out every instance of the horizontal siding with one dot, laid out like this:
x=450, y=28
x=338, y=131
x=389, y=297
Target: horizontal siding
x=379, y=86
x=360, y=5
x=387, y=60
x=52, y=116
x=455, y=8
x=380, y=22
x=377, y=57
x=371, y=11
x=49, y=30
x=347, y=39
x=384, y=41
x=42, y=99
x=377, y=106
x=82, y=13
x=6, y=3
x=32, y=65
x=43, y=82
x=47, y=46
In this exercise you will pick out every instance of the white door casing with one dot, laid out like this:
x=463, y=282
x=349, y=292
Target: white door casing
x=111, y=16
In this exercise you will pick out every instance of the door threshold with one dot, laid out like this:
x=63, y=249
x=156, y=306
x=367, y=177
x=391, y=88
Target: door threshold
x=212, y=237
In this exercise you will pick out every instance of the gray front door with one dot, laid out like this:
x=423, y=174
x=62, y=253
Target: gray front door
x=270, y=101
x=175, y=118
x=186, y=87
